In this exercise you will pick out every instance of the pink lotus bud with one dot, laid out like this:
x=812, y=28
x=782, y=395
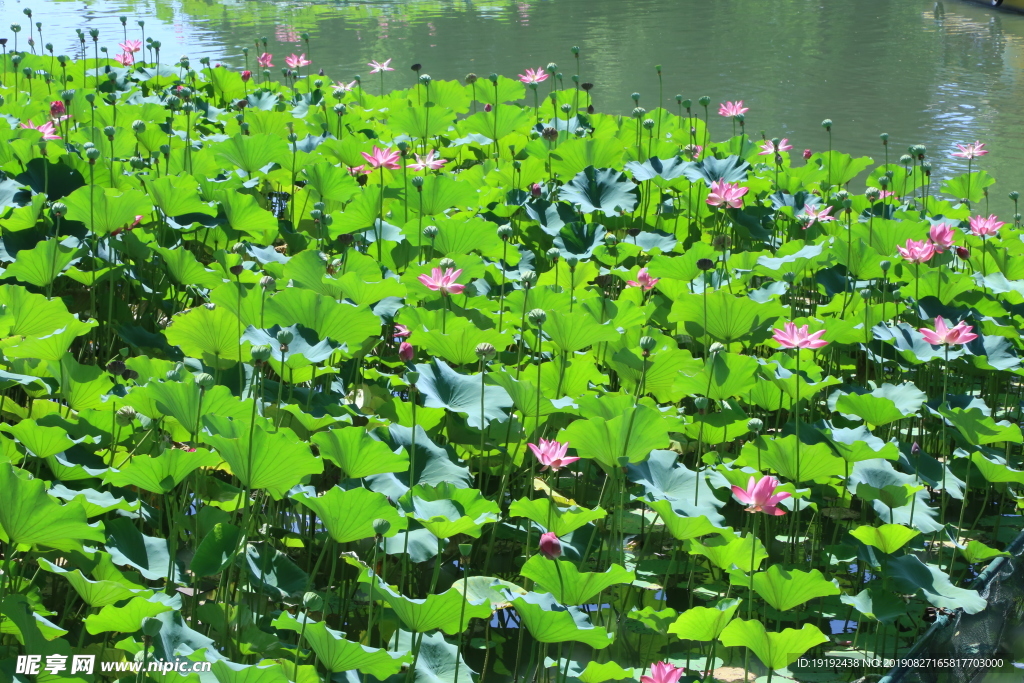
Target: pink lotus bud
x=488, y=107
x=550, y=546
x=406, y=351
x=962, y=252
x=807, y=154
x=535, y=189
x=246, y=75
x=57, y=109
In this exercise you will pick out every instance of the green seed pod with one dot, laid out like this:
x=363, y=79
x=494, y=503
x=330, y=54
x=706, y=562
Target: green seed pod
x=827, y=124
x=537, y=317
x=505, y=232
x=755, y=425
x=716, y=348
x=1014, y=195
x=648, y=124
x=268, y=283
x=885, y=265
x=448, y=263
x=261, y=353
x=553, y=254
x=204, y=380
x=125, y=416
x=285, y=337
x=59, y=209
x=92, y=154
x=528, y=278
x=430, y=232
x=485, y=351
x=313, y=602
x=381, y=526
x=417, y=181
x=465, y=550
x=701, y=402
x=139, y=126
x=647, y=343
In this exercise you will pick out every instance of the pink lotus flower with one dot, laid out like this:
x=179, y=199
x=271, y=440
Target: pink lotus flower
x=341, y=88
x=534, y=75
x=811, y=215
x=769, y=147
x=807, y=154
x=383, y=157
x=377, y=67
x=357, y=170
x=552, y=454
x=57, y=109
x=406, y=351
x=401, y=331
x=942, y=336
x=443, y=282
x=761, y=496
x=643, y=280
x=986, y=226
x=971, y=150
x=264, y=60
x=428, y=161
x=793, y=337
x=125, y=59
x=941, y=236
x=131, y=46
x=732, y=109
x=693, y=151
x=726, y=194
x=294, y=61
x=246, y=75
x=45, y=128
x=917, y=252
x=550, y=546
x=663, y=672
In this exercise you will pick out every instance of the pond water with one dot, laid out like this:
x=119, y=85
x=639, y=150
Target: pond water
x=926, y=73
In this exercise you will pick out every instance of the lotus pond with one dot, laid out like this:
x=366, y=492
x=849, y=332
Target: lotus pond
x=319, y=380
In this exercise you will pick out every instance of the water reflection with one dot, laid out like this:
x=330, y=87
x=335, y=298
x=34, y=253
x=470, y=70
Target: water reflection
x=922, y=75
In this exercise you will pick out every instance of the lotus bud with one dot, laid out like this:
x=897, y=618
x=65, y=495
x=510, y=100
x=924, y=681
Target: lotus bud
x=505, y=232
x=705, y=264
x=59, y=209
x=417, y=181
x=204, y=380
x=647, y=344
x=430, y=232
x=716, y=348
x=885, y=265
x=701, y=402
x=261, y=353
x=125, y=416
x=381, y=527
x=92, y=154
x=485, y=351
x=313, y=602
x=963, y=253
x=827, y=124
x=550, y=547
x=528, y=278
x=610, y=240
x=448, y=263
x=755, y=425
x=236, y=269
x=268, y=283
x=789, y=277
x=285, y=337
x=176, y=374
x=872, y=194
x=537, y=317
x=406, y=351
x=116, y=367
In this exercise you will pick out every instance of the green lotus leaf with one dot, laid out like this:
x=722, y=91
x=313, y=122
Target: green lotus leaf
x=596, y=672
x=888, y=537
x=126, y=618
x=559, y=520
x=724, y=553
x=337, y=321
x=304, y=348
x=874, y=410
x=996, y=470
x=95, y=502
x=43, y=263
x=731, y=169
x=568, y=584
x=576, y=331
x=30, y=517
x=161, y=474
x=784, y=589
x=880, y=480
x=442, y=387
x=723, y=376
x=628, y=438
x=357, y=455
x=338, y=654
x=210, y=334
x=527, y=400
x=681, y=526
x=178, y=196
x=271, y=571
x=448, y=611
x=775, y=650
x=40, y=441
x=980, y=429
x=148, y=554
x=33, y=315
x=968, y=186
x=330, y=182
x=48, y=347
x=251, y=153
x=458, y=346
x=487, y=589
x=668, y=169
x=31, y=629
x=244, y=214
x=605, y=189
x=187, y=403
x=350, y=515
x=184, y=270
x=665, y=478
x=729, y=318
x=216, y=550
x=579, y=240
x=549, y=622
x=174, y=635
x=230, y=672
x=841, y=168
x=275, y=461
x=975, y=551
x=815, y=463
x=892, y=496
x=876, y=605
x=104, y=210
x=575, y=155
x=433, y=464
x=95, y=593
x=446, y=510
x=911, y=575
x=705, y=623
x=83, y=386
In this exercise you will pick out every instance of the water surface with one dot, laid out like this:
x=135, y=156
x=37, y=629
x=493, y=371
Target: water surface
x=927, y=75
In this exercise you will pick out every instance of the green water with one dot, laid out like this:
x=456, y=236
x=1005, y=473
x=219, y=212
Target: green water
x=872, y=66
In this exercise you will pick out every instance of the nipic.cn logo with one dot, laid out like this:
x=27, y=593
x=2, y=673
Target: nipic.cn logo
x=86, y=664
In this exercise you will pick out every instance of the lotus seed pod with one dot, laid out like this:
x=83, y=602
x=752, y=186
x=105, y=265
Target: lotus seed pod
x=292, y=138
x=647, y=343
x=430, y=232
x=313, y=602
x=116, y=367
x=842, y=195
x=59, y=209
x=716, y=348
x=580, y=131
x=1014, y=195
x=125, y=416
x=537, y=317
x=847, y=203
x=204, y=380
x=151, y=628
x=417, y=181
x=827, y=124
x=638, y=112
x=485, y=351
x=471, y=78
x=873, y=193
x=92, y=154
x=425, y=79
x=704, y=101
x=566, y=108
x=67, y=95
x=176, y=374
x=505, y=232
x=528, y=278
x=885, y=265
x=575, y=49
x=318, y=83
x=552, y=67
x=906, y=159
x=865, y=294
x=381, y=526
x=705, y=264
x=165, y=150
x=755, y=425
x=112, y=76
x=412, y=378
x=549, y=134
x=648, y=124
x=701, y=402
x=448, y=263
x=493, y=78
x=236, y=269
x=268, y=283
x=285, y=337
x=316, y=214
x=610, y=240
x=587, y=87
x=789, y=277
x=261, y=353
x=884, y=181
x=553, y=254
x=138, y=163
x=572, y=262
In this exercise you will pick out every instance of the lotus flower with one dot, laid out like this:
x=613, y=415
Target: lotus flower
x=45, y=128
x=131, y=46
x=341, y=88
x=57, y=109
x=761, y=496
x=443, y=282
x=294, y=61
x=428, y=161
x=917, y=252
x=125, y=59
x=643, y=280
x=401, y=331
x=961, y=333
x=383, y=157
x=793, y=337
x=246, y=75
x=821, y=216
x=768, y=147
x=807, y=154
x=377, y=67
x=732, y=109
x=552, y=454
x=550, y=546
x=941, y=236
x=264, y=60
x=534, y=75
x=663, y=672
x=726, y=194
x=971, y=150
x=986, y=226
x=406, y=351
